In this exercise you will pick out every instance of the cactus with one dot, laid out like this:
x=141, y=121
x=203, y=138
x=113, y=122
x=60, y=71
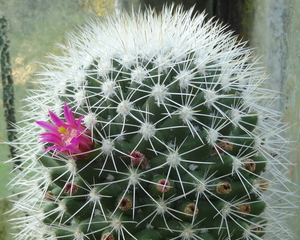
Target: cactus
x=7, y=84
x=152, y=126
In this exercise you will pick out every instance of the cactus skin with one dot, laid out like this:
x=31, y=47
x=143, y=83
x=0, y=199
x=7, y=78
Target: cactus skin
x=7, y=85
x=185, y=142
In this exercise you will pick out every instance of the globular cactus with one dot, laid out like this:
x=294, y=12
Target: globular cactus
x=152, y=126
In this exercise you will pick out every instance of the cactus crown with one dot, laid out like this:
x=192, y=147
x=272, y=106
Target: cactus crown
x=166, y=134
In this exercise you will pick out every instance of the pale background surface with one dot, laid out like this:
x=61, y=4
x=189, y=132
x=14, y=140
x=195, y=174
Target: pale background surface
x=276, y=35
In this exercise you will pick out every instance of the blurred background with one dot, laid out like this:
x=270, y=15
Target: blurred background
x=31, y=29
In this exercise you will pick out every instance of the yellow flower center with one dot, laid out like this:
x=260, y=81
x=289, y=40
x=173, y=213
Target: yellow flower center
x=61, y=129
x=67, y=134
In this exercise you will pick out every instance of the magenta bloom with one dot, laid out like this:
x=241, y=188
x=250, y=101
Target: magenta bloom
x=70, y=138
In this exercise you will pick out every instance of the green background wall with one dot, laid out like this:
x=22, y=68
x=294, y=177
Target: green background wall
x=34, y=26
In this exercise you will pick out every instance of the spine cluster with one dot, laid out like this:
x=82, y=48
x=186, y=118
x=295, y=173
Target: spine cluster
x=152, y=126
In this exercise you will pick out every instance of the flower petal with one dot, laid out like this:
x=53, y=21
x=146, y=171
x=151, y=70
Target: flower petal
x=79, y=121
x=69, y=116
x=48, y=126
x=48, y=137
x=56, y=120
x=51, y=148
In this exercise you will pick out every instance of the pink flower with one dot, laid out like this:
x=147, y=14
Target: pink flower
x=70, y=138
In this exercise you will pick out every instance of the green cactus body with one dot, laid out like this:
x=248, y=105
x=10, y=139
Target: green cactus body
x=166, y=134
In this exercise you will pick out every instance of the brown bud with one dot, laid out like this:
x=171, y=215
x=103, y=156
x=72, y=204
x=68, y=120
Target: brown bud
x=163, y=185
x=107, y=236
x=249, y=165
x=71, y=188
x=222, y=146
x=244, y=209
x=138, y=159
x=223, y=188
x=191, y=209
x=49, y=196
x=125, y=204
